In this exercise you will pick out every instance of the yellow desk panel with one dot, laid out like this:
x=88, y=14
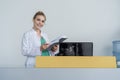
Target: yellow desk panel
x=75, y=62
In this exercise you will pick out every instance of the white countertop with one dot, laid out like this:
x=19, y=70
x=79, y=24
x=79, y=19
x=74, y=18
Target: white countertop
x=60, y=74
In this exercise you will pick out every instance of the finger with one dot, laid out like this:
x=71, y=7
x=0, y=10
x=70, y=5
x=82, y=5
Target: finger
x=46, y=44
x=55, y=48
x=56, y=45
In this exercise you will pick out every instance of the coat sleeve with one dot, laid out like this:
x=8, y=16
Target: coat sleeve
x=28, y=49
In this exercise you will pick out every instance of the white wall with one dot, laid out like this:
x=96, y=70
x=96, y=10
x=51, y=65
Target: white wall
x=96, y=21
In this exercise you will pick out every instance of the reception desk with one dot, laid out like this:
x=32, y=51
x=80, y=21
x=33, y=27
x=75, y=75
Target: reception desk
x=71, y=69
x=75, y=62
x=60, y=74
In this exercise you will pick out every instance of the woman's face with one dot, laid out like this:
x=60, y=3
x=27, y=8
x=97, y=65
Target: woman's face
x=39, y=21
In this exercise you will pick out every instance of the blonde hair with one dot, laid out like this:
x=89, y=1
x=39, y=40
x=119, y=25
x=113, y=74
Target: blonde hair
x=39, y=13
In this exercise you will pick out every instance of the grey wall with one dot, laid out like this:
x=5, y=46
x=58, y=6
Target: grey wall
x=81, y=20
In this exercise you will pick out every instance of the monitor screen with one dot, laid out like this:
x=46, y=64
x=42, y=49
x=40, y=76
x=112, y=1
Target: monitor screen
x=76, y=49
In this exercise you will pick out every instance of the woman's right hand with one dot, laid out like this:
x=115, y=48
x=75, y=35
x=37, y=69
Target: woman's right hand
x=44, y=46
x=54, y=48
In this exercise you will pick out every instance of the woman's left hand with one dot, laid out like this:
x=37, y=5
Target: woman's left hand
x=54, y=48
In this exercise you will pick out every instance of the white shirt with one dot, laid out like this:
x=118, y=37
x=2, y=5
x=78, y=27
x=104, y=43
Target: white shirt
x=31, y=46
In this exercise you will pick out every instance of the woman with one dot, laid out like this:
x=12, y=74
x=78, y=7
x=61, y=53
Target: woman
x=35, y=42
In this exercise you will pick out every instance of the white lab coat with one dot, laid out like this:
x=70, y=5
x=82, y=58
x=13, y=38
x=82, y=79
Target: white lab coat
x=31, y=46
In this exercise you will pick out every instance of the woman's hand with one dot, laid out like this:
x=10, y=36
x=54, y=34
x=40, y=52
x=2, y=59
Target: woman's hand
x=44, y=46
x=54, y=48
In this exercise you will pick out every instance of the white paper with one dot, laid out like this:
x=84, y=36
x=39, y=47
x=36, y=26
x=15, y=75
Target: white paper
x=56, y=41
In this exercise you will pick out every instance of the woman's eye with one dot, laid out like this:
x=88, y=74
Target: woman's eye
x=43, y=21
x=38, y=19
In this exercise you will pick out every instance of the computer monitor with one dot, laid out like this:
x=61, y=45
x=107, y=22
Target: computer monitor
x=76, y=49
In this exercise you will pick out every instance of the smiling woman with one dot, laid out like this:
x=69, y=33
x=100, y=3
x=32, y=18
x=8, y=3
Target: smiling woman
x=35, y=42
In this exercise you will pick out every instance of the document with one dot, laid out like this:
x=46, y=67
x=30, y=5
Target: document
x=56, y=41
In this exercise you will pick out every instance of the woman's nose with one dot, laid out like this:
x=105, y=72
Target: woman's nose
x=40, y=22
